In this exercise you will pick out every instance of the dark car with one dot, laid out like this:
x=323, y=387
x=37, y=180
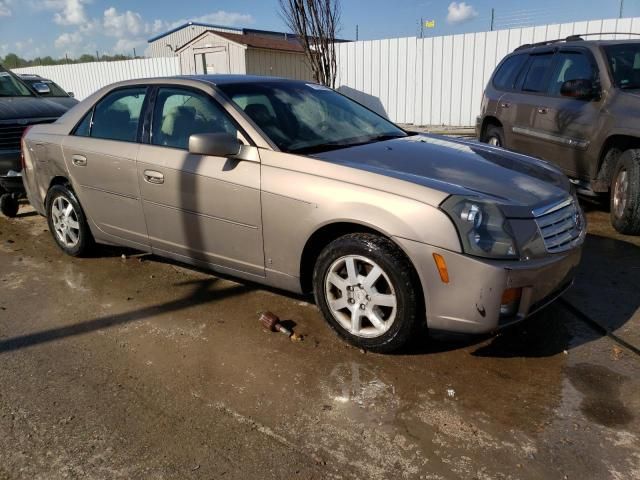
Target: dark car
x=20, y=108
x=574, y=103
x=48, y=89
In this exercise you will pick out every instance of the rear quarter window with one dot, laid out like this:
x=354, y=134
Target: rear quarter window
x=506, y=75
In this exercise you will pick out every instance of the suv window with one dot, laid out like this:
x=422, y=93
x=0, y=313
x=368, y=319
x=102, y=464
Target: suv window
x=535, y=80
x=505, y=77
x=570, y=66
x=180, y=113
x=624, y=62
x=117, y=115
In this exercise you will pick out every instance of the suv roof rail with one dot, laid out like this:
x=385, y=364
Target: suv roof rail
x=570, y=38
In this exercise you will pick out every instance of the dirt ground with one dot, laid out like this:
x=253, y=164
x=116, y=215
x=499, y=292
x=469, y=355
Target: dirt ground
x=115, y=368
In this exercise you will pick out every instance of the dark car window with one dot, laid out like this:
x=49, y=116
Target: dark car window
x=537, y=73
x=505, y=77
x=570, y=66
x=54, y=88
x=117, y=115
x=11, y=86
x=84, y=127
x=624, y=62
x=180, y=113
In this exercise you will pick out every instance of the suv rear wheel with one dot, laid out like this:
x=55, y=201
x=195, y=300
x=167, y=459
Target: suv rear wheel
x=368, y=292
x=625, y=194
x=494, y=135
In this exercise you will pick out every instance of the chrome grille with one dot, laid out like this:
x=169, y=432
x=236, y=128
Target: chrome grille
x=560, y=225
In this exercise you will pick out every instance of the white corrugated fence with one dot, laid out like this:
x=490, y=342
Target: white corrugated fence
x=440, y=80
x=85, y=78
x=430, y=81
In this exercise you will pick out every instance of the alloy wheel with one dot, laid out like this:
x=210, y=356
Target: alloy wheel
x=65, y=222
x=360, y=296
x=620, y=193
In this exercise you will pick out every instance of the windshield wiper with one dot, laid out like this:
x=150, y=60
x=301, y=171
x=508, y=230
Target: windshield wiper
x=325, y=147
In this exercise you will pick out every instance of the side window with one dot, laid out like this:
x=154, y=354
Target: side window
x=84, y=127
x=570, y=66
x=180, y=113
x=116, y=116
x=505, y=77
x=536, y=78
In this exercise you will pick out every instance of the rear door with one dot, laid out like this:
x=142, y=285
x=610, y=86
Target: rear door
x=531, y=86
x=565, y=125
x=101, y=159
x=199, y=207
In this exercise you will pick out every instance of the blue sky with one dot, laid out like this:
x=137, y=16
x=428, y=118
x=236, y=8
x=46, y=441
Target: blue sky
x=58, y=27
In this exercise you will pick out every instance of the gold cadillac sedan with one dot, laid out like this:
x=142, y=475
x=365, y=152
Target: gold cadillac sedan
x=292, y=185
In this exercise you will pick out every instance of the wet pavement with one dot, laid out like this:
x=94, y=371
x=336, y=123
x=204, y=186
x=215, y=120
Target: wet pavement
x=138, y=368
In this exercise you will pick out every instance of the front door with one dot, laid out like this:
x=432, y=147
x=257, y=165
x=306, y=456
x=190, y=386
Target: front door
x=523, y=102
x=101, y=159
x=565, y=125
x=199, y=207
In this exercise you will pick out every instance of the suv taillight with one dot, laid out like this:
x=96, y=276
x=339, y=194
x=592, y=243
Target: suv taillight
x=23, y=145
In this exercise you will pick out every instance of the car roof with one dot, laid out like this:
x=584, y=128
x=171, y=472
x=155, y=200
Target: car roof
x=235, y=79
x=572, y=43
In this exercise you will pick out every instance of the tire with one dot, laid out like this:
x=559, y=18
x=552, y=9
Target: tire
x=494, y=135
x=68, y=227
x=9, y=205
x=625, y=193
x=398, y=315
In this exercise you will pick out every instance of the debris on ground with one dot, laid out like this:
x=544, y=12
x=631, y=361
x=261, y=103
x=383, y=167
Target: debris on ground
x=451, y=393
x=616, y=353
x=271, y=322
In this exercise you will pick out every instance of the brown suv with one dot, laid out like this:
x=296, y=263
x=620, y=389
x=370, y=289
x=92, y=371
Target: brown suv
x=574, y=103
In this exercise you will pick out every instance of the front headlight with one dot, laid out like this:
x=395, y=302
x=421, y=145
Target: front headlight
x=482, y=227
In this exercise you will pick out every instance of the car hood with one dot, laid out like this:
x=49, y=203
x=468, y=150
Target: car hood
x=64, y=102
x=13, y=108
x=518, y=183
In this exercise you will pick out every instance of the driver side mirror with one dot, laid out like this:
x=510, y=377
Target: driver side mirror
x=214, y=144
x=580, y=89
x=41, y=88
x=71, y=94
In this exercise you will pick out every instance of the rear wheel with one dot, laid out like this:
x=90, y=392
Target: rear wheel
x=368, y=292
x=67, y=221
x=625, y=193
x=494, y=135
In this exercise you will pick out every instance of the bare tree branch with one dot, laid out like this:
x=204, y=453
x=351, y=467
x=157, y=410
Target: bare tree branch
x=316, y=23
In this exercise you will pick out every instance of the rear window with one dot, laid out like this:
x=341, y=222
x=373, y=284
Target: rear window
x=537, y=74
x=505, y=77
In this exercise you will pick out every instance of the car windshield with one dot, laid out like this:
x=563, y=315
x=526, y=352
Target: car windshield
x=624, y=62
x=54, y=88
x=309, y=118
x=10, y=86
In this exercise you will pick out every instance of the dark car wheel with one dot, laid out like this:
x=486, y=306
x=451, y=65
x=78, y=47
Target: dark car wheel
x=9, y=205
x=368, y=292
x=625, y=194
x=494, y=135
x=67, y=221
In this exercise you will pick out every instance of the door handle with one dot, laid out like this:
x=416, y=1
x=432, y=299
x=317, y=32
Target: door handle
x=151, y=176
x=505, y=105
x=542, y=110
x=79, y=160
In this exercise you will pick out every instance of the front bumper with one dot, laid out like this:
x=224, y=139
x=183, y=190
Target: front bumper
x=470, y=302
x=9, y=160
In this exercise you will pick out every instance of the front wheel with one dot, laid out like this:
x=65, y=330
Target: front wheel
x=625, y=194
x=367, y=291
x=9, y=205
x=67, y=222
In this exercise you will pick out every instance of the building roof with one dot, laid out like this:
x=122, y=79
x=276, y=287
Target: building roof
x=255, y=41
x=190, y=24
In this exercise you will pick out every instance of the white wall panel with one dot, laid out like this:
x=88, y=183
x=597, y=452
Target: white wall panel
x=85, y=78
x=439, y=80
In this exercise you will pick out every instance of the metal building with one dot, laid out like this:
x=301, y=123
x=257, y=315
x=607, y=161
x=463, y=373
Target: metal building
x=252, y=53
x=165, y=44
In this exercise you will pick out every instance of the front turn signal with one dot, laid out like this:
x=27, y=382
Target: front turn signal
x=442, y=267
